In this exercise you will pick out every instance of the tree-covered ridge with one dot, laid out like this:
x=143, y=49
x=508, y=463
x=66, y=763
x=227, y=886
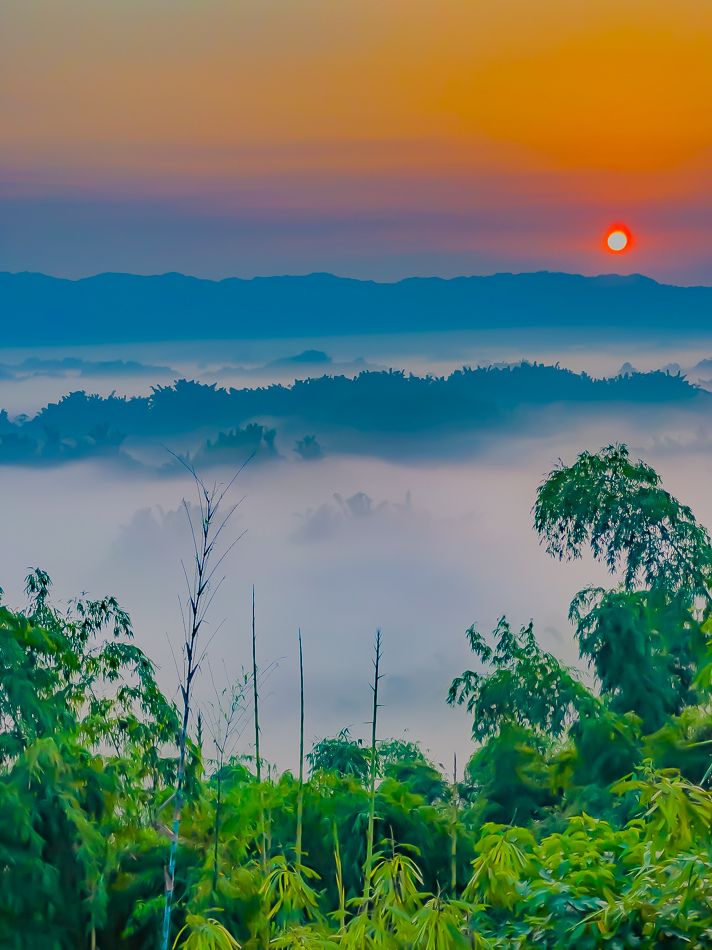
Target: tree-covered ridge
x=82, y=425
x=582, y=818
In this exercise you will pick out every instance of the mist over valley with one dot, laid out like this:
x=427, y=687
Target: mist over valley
x=409, y=512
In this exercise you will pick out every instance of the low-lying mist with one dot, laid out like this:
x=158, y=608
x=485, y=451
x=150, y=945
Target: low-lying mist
x=339, y=547
x=417, y=537
x=30, y=378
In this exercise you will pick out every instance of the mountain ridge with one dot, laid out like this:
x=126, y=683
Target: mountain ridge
x=114, y=307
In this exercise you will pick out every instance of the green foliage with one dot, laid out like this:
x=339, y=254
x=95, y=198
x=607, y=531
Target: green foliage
x=205, y=933
x=524, y=685
x=645, y=638
x=583, y=817
x=512, y=777
x=287, y=891
x=617, y=508
x=441, y=923
x=503, y=858
x=644, y=648
x=343, y=755
x=81, y=720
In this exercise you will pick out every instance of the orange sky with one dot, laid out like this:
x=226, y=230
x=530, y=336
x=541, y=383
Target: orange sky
x=263, y=136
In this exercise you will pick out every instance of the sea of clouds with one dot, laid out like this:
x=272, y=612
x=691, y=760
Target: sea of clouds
x=420, y=548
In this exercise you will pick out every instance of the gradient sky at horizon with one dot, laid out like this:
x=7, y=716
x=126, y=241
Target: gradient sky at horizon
x=376, y=140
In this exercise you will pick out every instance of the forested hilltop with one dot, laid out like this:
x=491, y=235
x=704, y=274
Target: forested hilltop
x=583, y=817
x=243, y=420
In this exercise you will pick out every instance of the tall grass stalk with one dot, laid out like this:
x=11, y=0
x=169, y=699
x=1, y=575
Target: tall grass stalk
x=339, y=881
x=453, y=833
x=258, y=760
x=258, y=765
x=372, y=778
x=200, y=596
x=300, y=794
x=258, y=757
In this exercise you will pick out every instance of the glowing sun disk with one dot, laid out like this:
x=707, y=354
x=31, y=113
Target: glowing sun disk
x=617, y=240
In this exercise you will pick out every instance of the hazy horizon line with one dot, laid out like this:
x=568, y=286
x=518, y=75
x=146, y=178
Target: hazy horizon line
x=359, y=280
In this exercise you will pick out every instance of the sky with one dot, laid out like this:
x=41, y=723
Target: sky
x=376, y=140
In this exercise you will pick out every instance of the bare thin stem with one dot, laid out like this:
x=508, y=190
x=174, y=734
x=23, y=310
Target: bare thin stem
x=258, y=758
x=372, y=790
x=198, y=600
x=300, y=796
x=453, y=834
x=339, y=881
x=258, y=761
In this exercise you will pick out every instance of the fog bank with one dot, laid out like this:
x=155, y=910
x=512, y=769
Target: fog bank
x=339, y=548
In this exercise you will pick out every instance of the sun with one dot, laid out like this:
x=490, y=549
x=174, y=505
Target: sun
x=618, y=239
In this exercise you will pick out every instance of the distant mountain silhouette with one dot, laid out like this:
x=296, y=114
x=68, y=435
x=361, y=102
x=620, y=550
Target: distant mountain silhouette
x=36, y=309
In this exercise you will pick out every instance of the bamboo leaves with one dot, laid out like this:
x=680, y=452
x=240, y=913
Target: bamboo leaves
x=287, y=891
x=504, y=857
x=205, y=933
x=678, y=813
x=441, y=924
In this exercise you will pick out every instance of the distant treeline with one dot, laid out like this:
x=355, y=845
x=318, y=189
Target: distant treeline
x=81, y=425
